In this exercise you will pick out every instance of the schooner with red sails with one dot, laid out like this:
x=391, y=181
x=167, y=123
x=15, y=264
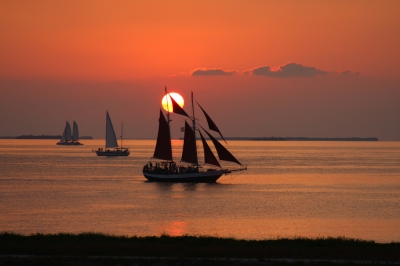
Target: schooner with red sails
x=162, y=167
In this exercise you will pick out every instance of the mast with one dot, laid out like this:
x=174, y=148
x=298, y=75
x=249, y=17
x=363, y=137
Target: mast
x=194, y=129
x=168, y=120
x=122, y=128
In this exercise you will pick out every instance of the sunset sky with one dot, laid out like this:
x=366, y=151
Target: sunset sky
x=259, y=68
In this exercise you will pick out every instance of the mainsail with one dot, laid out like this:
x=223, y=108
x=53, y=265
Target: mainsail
x=67, y=132
x=189, y=152
x=111, y=139
x=75, y=134
x=63, y=135
x=163, y=148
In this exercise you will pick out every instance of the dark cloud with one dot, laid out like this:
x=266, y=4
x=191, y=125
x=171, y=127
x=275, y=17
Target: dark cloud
x=349, y=72
x=288, y=70
x=212, y=72
x=284, y=71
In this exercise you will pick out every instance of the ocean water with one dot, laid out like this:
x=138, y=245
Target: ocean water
x=291, y=189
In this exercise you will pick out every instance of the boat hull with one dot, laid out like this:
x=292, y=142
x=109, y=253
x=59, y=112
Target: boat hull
x=112, y=153
x=198, y=177
x=69, y=143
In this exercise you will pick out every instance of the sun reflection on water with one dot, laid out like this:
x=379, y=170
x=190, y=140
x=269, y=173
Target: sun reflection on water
x=176, y=229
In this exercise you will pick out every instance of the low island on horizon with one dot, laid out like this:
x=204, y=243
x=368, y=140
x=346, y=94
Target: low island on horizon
x=302, y=138
x=298, y=139
x=40, y=137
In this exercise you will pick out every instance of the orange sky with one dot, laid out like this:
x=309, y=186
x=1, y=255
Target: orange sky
x=129, y=50
x=134, y=39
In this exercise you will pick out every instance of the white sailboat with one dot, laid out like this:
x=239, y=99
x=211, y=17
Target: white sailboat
x=162, y=168
x=111, y=148
x=70, y=139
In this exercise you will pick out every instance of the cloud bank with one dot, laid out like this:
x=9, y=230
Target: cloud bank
x=284, y=71
x=288, y=70
x=212, y=72
x=348, y=72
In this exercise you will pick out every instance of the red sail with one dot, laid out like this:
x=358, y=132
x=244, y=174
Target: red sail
x=223, y=153
x=209, y=156
x=211, y=124
x=163, y=148
x=189, y=153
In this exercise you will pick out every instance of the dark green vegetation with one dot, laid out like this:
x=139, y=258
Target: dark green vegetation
x=85, y=249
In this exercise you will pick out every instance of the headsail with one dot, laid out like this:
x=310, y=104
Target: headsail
x=63, y=135
x=111, y=139
x=223, y=153
x=67, y=132
x=175, y=106
x=211, y=124
x=189, y=152
x=209, y=156
x=163, y=148
x=75, y=134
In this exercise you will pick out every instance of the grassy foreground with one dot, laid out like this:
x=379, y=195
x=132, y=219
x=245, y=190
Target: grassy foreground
x=84, y=249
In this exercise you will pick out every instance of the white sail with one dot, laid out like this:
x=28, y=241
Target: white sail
x=75, y=132
x=111, y=139
x=63, y=136
x=67, y=132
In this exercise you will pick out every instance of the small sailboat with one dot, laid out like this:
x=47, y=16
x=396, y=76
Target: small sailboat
x=111, y=148
x=162, y=167
x=70, y=139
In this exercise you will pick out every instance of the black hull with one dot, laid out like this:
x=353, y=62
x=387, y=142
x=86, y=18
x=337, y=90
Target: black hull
x=199, y=177
x=112, y=153
x=69, y=143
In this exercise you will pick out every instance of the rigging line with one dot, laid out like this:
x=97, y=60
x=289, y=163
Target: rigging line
x=233, y=176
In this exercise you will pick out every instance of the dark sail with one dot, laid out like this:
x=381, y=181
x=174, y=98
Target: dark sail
x=176, y=108
x=209, y=156
x=189, y=153
x=163, y=147
x=211, y=124
x=223, y=153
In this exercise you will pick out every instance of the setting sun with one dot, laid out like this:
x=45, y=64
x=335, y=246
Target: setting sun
x=166, y=101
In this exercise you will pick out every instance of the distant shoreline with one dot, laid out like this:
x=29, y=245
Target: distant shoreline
x=297, y=139
x=40, y=137
x=302, y=139
x=227, y=138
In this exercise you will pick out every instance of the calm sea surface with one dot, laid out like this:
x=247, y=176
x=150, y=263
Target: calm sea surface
x=291, y=189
